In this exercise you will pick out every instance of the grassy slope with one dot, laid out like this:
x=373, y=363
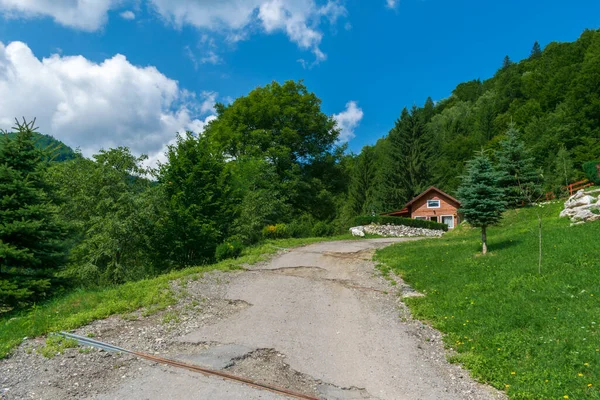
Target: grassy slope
x=534, y=335
x=83, y=306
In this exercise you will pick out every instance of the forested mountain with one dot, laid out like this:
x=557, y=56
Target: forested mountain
x=56, y=149
x=552, y=99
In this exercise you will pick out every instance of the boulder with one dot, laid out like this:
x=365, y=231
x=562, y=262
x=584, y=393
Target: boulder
x=583, y=214
x=357, y=231
x=581, y=201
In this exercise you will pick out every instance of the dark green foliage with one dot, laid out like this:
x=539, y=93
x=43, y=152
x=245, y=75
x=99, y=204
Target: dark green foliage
x=385, y=220
x=482, y=200
x=322, y=229
x=405, y=169
x=362, y=196
x=284, y=125
x=231, y=248
x=199, y=199
x=110, y=203
x=536, y=51
x=32, y=237
x=562, y=173
x=54, y=150
x=517, y=175
x=592, y=171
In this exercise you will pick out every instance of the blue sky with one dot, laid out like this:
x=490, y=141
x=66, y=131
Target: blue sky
x=366, y=60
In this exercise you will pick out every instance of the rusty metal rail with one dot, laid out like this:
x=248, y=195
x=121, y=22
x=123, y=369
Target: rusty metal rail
x=84, y=341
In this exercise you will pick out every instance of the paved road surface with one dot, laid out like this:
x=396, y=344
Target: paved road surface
x=314, y=321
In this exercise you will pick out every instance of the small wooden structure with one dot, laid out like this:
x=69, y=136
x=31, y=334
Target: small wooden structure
x=432, y=205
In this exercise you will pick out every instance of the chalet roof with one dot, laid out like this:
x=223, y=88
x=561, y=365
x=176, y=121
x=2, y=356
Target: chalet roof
x=431, y=188
x=405, y=210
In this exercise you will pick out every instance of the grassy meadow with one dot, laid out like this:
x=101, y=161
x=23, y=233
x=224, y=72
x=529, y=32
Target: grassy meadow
x=533, y=335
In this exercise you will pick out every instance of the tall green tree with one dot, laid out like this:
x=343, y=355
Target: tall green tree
x=363, y=184
x=406, y=172
x=32, y=237
x=107, y=199
x=199, y=202
x=518, y=176
x=481, y=198
x=284, y=124
x=536, y=51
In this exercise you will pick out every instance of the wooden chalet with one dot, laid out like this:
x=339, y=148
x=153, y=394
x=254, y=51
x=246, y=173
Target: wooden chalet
x=432, y=205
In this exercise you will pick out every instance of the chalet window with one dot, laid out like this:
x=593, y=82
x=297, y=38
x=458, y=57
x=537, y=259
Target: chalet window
x=421, y=218
x=433, y=204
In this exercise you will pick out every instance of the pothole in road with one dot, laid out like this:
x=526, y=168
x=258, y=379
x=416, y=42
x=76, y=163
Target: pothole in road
x=269, y=366
x=266, y=366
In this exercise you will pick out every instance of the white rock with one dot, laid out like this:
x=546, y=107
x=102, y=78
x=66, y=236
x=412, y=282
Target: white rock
x=583, y=215
x=580, y=201
x=357, y=231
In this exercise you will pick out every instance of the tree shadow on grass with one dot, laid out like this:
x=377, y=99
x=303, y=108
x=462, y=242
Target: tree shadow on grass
x=503, y=244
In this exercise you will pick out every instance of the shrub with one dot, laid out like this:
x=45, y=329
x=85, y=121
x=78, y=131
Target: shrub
x=592, y=172
x=300, y=228
x=229, y=249
x=322, y=229
x=278, y=231
x=385, y=220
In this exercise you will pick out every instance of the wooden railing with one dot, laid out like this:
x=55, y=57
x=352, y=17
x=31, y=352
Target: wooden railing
x=572, y=188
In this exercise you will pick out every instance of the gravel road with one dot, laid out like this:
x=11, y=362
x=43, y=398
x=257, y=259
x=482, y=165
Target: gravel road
x=317, y=319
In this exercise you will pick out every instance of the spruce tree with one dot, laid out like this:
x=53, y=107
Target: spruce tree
x=32, y=238
x=406, y=171
x=481, y=199
x=517, y=174
x=506, y=62
x=536, y=51
x=361, y=193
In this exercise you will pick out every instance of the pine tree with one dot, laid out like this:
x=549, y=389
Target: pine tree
x=481, y=199
x=517, y=174
x=406, y=173
x=536, y=51
x=506, y=62
x=32, y=238
x=361, y=196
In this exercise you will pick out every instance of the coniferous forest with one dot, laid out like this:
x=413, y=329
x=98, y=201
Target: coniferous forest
x=271, y=166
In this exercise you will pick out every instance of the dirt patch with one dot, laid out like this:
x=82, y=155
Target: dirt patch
x=86, y=372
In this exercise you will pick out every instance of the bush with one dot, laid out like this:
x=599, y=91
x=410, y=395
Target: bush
x=278, y=231
x=384, y=220
x=300, y=228
x=229, y=249
x=591, y=171
x=322, y=229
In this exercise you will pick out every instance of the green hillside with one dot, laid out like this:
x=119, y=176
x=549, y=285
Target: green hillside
x=534, y=335
x=552, y=98
x=57, y=150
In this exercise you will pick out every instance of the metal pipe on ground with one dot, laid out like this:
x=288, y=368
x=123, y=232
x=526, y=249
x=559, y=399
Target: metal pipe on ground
x=85, y=341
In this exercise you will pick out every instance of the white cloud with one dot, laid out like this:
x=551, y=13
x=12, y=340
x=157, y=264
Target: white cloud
x=392, y=3
x=234, y=19
x=129, y=15
x=348, y=120
x=87, y=15
x=97, y=105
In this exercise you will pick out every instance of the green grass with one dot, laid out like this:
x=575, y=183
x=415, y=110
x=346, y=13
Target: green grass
x=82, y=306
x=535, y=336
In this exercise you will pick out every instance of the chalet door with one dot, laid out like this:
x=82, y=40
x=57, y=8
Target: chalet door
x=434, y=218
x=448, y=220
